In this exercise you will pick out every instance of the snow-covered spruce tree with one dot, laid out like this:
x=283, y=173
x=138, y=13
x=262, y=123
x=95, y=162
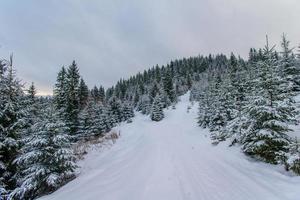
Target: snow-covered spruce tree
x=165, y=100
x=269, y=113
x=168, y=86
x=234, y=93
x=218, y=109
x=203, y=96
x=290, y=70
x=72, y=104
x=12, y=121
x=144, y=104
x=115, y=110
x=83, y=93
x=85, y=121
x=234, y=127
x=60, y=91
x=101, y=94
x=95, y=94
x=154, y=89
x=293, y=156
x=157, y=113
x=127, y=112
x=204, y=110
x=47, y=160
x=31, y=102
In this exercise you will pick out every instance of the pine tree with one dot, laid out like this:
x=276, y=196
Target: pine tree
x=83, y=93
x=115, y=109
x=168, y=86
x=153, y=91
x=127, y=112
x=218, y=113
x=157, y=113
x=47, y=161
x=288, y=66
x=101, y=94
x=93, y=120
x=95, y=94
x=269, y=113
x=60, y=91
x=12, y=122
x=72, y=109
x=204, y=110
x=144, y=104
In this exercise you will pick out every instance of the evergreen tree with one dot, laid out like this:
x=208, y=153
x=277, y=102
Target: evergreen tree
x=157, y=113
x=12, y=121
x=288, y=66
x=101, y=94
x=95, y=94
x=47, y=161
x=127, y=111
x=144, y=104
x=93, y=120
x=168, y=86
x=32, y=105
x=72, y=109
x=269, y=113
x=218, y=113
x=115, y=109
x=83, y=93
x=60, y=91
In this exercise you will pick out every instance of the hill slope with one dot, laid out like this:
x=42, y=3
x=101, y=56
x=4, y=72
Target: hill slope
x=174, y=159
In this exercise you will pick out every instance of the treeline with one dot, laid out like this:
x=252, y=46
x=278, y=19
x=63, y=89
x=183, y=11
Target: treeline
x=249, y=102
x=37, y=133
x=253, y=105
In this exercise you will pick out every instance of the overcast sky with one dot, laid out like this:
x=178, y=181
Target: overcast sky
x=111, y=39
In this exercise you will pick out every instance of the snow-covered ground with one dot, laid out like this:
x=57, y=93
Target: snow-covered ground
x=174, y=159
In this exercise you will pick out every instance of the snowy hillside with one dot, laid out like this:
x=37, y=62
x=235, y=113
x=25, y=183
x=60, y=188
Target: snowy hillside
x=174, y=159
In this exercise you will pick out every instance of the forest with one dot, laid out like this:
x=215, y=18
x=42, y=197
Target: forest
x=250, y=102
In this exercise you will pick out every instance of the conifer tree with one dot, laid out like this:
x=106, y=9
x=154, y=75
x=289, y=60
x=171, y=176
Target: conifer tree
x=101, y=94
x=47, y=161
x=115, y=109
x=72, y=109
x=12, y=121
x=127, y=111
x=204, y=108
x=269, y=113
x=60, y=91
x=144, y=104
x=83, y=93
x=93, y=120
x=157, y=113
x=95, y=94
x=168, y=86
x=288, y=66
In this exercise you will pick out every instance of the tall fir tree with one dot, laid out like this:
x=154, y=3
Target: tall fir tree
x=12, y=121
x=101, y=94
x=168, y=86
x=73, y=104
x=83, y=93
x=269, y=112
x=60, y=91
x=47, y=160
x=290, y=70
x=157, y=113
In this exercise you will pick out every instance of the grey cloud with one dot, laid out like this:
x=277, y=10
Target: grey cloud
x=114, y=39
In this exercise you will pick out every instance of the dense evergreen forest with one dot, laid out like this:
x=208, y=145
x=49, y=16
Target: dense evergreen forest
x=251, y=103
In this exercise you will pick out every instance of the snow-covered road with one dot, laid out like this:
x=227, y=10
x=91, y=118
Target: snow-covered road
x=174, y=160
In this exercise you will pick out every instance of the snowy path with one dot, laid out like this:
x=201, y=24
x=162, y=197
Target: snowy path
x=173, y=160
